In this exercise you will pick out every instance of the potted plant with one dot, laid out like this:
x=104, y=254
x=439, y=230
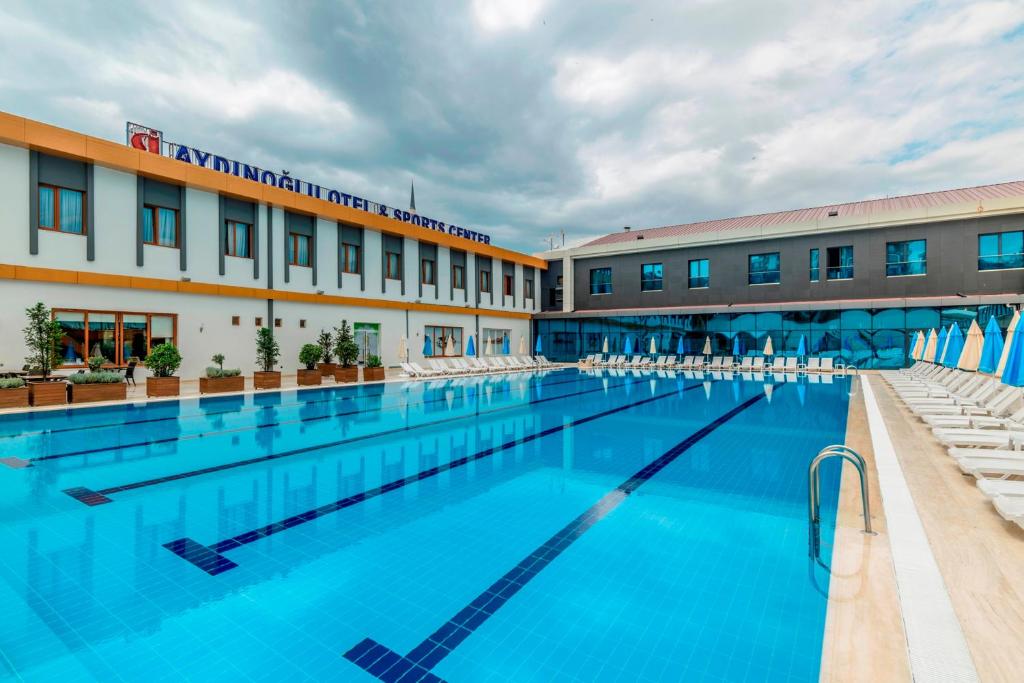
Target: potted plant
x=374, y=369
x=13, y=393
x=99, y=385
x=327, y=364
x=163, y=361
x=218, y=380
x=347, y=351
x=309, y=354
x=267, y=353
x=42, y=337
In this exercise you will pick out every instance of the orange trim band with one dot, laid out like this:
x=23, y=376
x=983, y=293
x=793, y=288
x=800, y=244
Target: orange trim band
x=75, y=277
x=22, y=132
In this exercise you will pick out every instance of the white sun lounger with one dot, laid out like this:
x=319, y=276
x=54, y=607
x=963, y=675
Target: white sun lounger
x=998, y=418
x=1010, y=439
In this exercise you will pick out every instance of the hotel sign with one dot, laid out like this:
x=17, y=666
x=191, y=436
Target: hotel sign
x=152, y=140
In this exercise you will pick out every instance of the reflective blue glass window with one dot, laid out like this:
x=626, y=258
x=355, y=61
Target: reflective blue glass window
x=839, y=263
x=922, y=318
x=700, y=273
x=764, y=269
x=1001, y=250
x=814, y=270
x=650, y=277
x=601, y=281
x=906, y=258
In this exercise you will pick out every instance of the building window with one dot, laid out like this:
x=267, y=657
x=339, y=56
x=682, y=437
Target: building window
x=700, y=273
x=764, y=269
x=350, y=258
x=302, y=323
x=160, y=226
x=298, y=249
x=651, y=277
x=116, y=337
x=509, y=285
x=600, y=280
x=485, y=281
x=493, y=341
x=839, y=263
x=61, y=209
x=906, y=258
x=392, y=265
x=277, y=322
x=239, y=240
x=527, y=289
x=236, y=320
x=444, y=341
x=259, y=321
x=1001, y=250
x=427, y=272
x=814, y=270
x=458, y=277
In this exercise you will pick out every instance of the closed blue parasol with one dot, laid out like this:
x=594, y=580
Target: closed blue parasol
x=954, y=345
x=679, y=346
x=1013, y=373
x=993, y=348
x=940, y=346
x=628, y=349
x=471, y=347
x=537, y=347
x=801, y=349
x=504, y=346
x=428, y=346
x=736, y=346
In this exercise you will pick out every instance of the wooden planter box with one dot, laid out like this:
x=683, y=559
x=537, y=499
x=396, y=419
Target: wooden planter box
x=343, y=374
x=90, y=393
x=267, y=380
x=47, y=393
x=308, y=378
x=163, y=386
x=327, y=369
x=220, y=385
x=373, y=374
x=14, y=398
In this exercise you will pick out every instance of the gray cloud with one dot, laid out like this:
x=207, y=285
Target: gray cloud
x=529, y=117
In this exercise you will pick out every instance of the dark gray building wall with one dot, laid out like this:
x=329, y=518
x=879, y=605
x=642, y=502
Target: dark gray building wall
x=952, y=253
x=548, y=284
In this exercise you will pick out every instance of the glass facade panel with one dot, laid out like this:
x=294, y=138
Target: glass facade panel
x=651, y=277
x=906, y=258
x=103, y=336
x=1001, y=250
x=764, y=269
x=814, y=269
x=600, y=280
x=699, y=274
x=839, y=263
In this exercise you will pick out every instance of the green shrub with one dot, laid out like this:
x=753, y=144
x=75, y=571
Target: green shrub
x=96, y=363
x=163, y=360
x=102, y=377
x=214, y=373
x=309, y=354
x=267, y=349
x=42, y=337
x=326, y=346
x=373, y=362
x=345, y=347
x=218, y=358
x=12, y=383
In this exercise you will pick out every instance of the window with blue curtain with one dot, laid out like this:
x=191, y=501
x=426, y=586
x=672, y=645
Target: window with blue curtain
x=651, y=277
x=839, y=263
x=1001, y=250
x=699, y=273
x=61, y=209
x=906, y=258
x=160, y=226
x=298, y=250
x=814, y=269
x=764, y=269
x=239, y=238
x=600, y=280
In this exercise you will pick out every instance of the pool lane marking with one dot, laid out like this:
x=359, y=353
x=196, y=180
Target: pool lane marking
x=93, y=497
x=268, y=425
x=387, y=665
x=212, y=561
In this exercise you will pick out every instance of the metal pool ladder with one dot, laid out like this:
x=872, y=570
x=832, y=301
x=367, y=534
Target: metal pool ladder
x=814, y=490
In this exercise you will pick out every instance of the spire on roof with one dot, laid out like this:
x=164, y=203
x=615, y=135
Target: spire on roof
x=412, y=196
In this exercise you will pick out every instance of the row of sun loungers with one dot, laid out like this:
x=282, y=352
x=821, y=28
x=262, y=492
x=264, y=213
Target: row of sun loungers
x=472, y=365
x=779, y=364
x=979, y=420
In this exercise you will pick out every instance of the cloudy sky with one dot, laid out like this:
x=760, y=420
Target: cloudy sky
x=523, y=118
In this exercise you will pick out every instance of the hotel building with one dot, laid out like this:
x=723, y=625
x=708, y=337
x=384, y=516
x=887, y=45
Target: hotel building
x=135, y=244
x=855, y=280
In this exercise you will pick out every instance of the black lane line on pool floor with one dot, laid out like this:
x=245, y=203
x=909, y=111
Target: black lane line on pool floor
x=92, y=497
x=267, y=425
x=387, y=665
x=212, y=561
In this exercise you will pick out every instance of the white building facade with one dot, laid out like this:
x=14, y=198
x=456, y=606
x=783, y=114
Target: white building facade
x=130, y=249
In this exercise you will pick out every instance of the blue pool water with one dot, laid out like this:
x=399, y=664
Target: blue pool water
x=563, y=526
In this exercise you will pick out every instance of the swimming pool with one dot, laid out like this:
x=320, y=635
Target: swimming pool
x=555, y=526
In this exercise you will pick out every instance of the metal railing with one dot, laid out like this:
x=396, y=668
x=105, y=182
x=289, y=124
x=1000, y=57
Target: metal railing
x=814, y=490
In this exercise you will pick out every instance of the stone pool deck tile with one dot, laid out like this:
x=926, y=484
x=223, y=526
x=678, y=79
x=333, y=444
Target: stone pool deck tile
x=864, y=637
x=980, y=556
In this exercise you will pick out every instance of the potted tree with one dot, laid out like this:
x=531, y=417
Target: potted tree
x=163, y=361
x=267, y=353
x=327, y=364
x=309, y=354
x=218, y=380
x=97, y=385
x=13, y=393
x=347, y=351
x=42, y=337
x=374, y=369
